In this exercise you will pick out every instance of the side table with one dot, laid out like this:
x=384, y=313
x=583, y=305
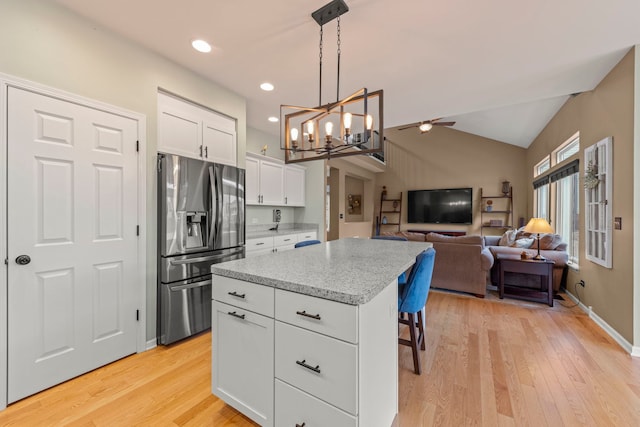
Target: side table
x=542, y=268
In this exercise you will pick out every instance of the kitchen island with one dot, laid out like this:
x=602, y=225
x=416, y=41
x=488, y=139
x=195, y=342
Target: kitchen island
x=309, y=337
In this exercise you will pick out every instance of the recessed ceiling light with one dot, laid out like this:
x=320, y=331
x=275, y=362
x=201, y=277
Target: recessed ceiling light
x=266, y=86
x=201, y=46
x=273, y=119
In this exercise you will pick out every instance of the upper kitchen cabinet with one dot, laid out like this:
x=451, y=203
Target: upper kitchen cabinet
x=188, y=130
x=294, y=185
x=270, y=182
x=264, y=181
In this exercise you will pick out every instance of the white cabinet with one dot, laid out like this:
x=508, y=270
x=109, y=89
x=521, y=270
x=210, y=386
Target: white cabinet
x=331, y=364
x=188, y=130
x=294, y=185
x=279, y=243
x=271, y=182
x=243, y=348
x=264, y=181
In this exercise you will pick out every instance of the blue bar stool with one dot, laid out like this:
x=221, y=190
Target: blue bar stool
x=306, y=243
x=412, y=298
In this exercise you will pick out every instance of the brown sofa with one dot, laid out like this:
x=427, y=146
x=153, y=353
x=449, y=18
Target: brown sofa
x=462, y=263
x=466, y=263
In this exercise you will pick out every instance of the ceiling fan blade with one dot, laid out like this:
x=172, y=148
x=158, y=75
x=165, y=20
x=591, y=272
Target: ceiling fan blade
x=444, y=123
x=408, y=127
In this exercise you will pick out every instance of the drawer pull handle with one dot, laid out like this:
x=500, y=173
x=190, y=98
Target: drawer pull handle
x=235, y=294
x=301, y=425
x=305, y=314
x=261, y=243
x=287, y=240
x=234, y=314
x=311, y=368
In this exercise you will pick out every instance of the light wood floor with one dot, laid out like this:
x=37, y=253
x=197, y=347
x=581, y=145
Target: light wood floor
x=488, y=362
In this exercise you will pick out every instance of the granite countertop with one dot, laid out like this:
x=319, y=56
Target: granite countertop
x=350, y=271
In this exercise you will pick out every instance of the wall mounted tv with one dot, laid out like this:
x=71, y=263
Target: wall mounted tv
x=450, y=206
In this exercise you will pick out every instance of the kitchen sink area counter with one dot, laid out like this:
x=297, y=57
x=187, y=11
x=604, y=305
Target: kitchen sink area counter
x=310, y=336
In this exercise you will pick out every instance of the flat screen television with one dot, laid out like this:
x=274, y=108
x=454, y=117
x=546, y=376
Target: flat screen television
x=449, y=206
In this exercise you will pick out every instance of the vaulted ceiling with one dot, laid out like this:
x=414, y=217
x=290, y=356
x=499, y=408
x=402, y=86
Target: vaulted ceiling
x=499, y=68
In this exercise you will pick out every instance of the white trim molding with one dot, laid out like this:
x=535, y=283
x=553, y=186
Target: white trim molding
x=626, y=345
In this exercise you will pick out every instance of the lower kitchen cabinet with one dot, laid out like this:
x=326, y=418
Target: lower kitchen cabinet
x=242, y=361
x=296, y=408
x=317, y=362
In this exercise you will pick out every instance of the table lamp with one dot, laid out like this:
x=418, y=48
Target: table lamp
x=537, y=226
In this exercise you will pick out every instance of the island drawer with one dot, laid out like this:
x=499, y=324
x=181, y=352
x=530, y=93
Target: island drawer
x=322, y=366
x=320, y=315
x=245, y=295
x=258, y=244
x=295, y=407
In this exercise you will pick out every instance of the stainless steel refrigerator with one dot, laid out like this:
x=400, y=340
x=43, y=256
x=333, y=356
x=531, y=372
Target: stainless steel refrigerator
x=201, y=221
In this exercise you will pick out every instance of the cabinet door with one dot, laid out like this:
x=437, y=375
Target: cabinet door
x=294, y=186
x=272, y=183
x=242, y=361
x=252, y=181
x=178, y=132
x=219, y=144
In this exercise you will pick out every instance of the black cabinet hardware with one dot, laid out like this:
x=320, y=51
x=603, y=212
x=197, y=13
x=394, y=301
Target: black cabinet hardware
x=234, y=314
x=305, y=314
x=301, y=425
x=235, y=294
x=311, y=368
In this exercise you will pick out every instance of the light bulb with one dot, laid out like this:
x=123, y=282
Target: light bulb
x=294, y=138
x=310, y=130
x=425, y=127
x=369, y=121
x=347, y=121
x=328, y=127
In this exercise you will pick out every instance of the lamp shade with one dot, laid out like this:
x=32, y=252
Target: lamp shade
x=538, y=225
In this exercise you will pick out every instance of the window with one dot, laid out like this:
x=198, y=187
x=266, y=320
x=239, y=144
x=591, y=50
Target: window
x=557, y=194
x=567, y=214
x=567, y=149
x=541, y=190
x=597, y=197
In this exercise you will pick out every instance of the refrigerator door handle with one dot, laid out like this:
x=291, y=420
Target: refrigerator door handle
x=203, y=258
x=191, y=285
x=219, y=198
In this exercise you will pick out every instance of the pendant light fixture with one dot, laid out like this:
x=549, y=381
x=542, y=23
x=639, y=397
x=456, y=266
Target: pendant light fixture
x=341, y=128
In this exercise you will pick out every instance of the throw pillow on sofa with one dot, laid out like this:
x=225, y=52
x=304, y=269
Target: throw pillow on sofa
x=508, y=238
x=523, y=243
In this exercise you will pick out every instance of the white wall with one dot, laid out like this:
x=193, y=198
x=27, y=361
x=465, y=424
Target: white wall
x=43, y=42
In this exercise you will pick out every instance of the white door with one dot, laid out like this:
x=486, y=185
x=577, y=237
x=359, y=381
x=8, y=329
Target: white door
x=72, y=209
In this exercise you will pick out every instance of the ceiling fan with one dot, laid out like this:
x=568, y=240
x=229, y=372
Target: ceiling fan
x=426, y=125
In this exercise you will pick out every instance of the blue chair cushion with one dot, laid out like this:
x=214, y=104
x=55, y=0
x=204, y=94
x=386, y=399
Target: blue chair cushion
x=306, y=243
x=415, y=292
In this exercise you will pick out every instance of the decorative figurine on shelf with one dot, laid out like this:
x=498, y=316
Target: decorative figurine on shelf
x=264, y=149
x=384, y=192
x=506, y=187
x=384, y=219
x=523, y=255
x=489, y=207
x=395, y=205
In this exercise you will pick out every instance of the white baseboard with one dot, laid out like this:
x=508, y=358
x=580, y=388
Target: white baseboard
x=626, y=345
x=153, y=343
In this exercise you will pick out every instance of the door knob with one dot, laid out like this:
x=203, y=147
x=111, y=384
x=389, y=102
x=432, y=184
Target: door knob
x=23, y=259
